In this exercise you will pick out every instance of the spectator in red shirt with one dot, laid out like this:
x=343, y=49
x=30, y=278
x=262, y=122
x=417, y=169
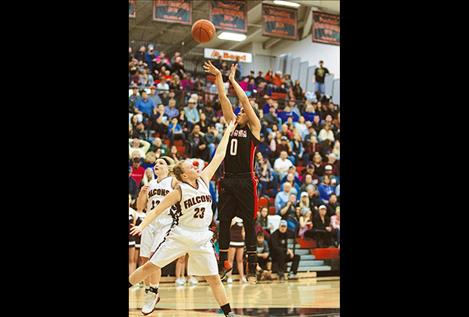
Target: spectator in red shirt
x=137, y=171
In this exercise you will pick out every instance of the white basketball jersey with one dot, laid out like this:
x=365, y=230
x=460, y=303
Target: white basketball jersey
x=196, y=207
x=156, y=193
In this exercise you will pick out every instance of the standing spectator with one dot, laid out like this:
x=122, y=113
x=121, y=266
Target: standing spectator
x=320, y=75
x=137, y=171
x=141, y=146
x=325, y=189
x=282, y=164
x=335, y=224
x=191, y=114
x=281, y=254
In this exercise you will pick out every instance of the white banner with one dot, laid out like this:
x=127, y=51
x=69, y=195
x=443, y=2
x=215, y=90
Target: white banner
x=227, y=55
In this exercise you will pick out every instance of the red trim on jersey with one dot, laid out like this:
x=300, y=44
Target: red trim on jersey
x=253, y=178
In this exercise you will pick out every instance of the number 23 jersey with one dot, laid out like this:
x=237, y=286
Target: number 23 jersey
x=196, y=207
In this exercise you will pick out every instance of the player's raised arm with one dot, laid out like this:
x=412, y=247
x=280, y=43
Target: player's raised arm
x=172, y=198
x=254, y=122
x=142, y=198
x=226, y=106
x=220, y=153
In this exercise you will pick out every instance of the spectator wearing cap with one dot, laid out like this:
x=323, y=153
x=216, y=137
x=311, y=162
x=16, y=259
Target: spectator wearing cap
x=281, y=254
x=319, y=79
x=282, y=164
x=170, y=110
x=284, y=146
x=326, y=189
x=335, y=224
x=154, y=96
x=133, y=188
x=322, y=230
x=191, y=114
x=144, y=105
x=141, y=146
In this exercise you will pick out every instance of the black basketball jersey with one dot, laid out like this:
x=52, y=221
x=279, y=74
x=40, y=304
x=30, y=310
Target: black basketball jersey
x=239, y=158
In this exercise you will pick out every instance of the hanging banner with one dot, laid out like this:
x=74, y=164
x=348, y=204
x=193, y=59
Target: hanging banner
x=132, y=7
x=230, y=15
x=175, y=11
x=279, y=22
x=326, y=28
x=227, y=55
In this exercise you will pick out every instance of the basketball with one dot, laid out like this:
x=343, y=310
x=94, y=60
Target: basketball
x=203, y=31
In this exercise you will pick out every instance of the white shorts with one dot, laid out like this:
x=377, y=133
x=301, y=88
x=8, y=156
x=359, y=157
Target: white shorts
x=146, y=241
x=178, y=241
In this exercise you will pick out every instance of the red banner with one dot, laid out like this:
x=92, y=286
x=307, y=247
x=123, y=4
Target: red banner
x=230, y=15
x=280, y=22
x=326, y=28
x=175, y=11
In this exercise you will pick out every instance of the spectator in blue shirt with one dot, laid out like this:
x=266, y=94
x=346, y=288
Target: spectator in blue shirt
x=175, y=131
x=154, y=96
x=282, y=197
x=326, y=189
x=171, y=111
x=145, y=105
x=191, y=113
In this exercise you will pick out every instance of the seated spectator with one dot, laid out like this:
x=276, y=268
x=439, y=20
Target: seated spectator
x=311, y=147
x=314, y=199
x=297, y=147
x=203, y=123
x=159, y=147
x=265, y=173
x=335, y=224
x=332, y=161
x=174, y=154
x=326, y=133
x=213, y=138
x=326, y=189
x=336, y=150
x=133, y=98
x=322, y=230
x=133, y=188
x=281, y=254
x=159, y=120
x=288, y=213
x=301, y=127
x=264, y=148
x=311, y=170
x=141, y=146
x=284, y=145
x=282, y=164
x=303, y=204
x=309, y=180
x=318, y=166
x=198, y=145
x=149, y=161
x=244, y=83
x=162, y=86
x=337, y=192
x=144, y=105
x=148, y=176
x=175, y=131
x=171, y=111
x=282, y=197
x=191, y=114
x=264, y=261
x=154, y=96
x=306, y=224
x=295, y=187
x=269, y=104
x=270, y=118
x=316, y=124
x=139, y=131
x=332, y=205
x=296, y=179
x=298, y=91
x=287, y=113
x=262, y=223
x=277, y=79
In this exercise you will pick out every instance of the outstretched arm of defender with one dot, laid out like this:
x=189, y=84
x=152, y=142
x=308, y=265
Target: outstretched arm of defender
x=226, y=106
x=211, y=168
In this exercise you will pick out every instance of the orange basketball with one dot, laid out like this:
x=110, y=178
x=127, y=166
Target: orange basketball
x=203, y=31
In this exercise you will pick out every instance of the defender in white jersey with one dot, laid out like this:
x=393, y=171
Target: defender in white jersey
x=189, y=232
x=150, y=196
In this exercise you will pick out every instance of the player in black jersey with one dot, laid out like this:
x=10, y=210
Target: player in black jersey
x=238, y=187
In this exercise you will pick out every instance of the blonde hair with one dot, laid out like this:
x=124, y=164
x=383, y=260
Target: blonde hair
x=178, y=170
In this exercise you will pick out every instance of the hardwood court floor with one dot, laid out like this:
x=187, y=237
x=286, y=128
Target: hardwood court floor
x=304, y=297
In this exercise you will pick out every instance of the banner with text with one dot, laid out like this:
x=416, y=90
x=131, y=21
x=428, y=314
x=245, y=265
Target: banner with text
x=176, y=11
x=326, y=28
x=279, y=22
x=227, y=55
x=230, y=15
